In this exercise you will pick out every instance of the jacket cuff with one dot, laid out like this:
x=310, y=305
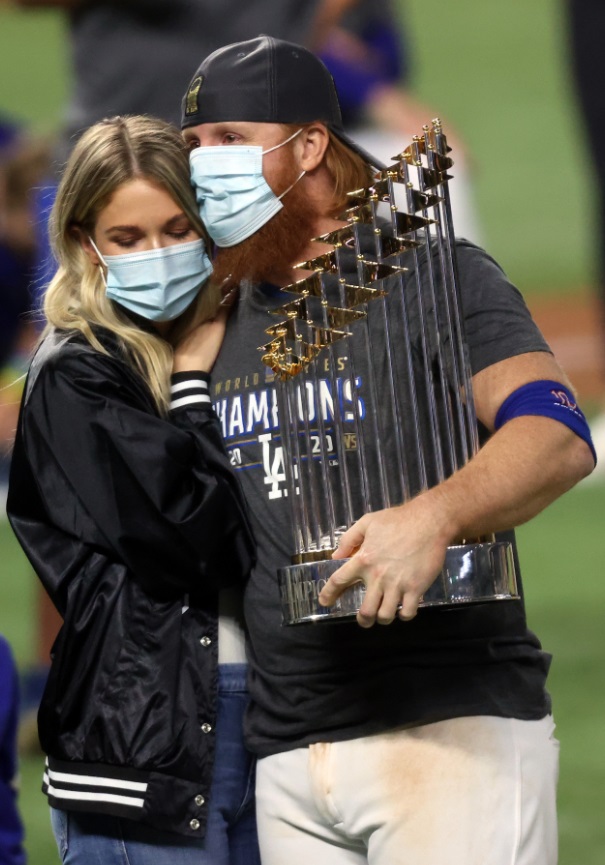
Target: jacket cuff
x=191, y=388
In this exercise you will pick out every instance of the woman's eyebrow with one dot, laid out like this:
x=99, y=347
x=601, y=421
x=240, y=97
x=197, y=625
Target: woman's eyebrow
x=179, y=217
x=122, y=228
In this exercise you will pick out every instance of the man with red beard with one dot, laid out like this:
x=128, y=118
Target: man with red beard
x=430, y=740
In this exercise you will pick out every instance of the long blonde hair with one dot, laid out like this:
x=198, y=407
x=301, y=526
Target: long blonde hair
x=107, y=155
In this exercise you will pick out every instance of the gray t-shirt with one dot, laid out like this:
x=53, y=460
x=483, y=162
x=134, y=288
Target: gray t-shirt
x=336, y=681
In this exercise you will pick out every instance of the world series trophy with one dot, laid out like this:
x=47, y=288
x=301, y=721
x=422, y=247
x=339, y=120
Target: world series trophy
x=374, y=385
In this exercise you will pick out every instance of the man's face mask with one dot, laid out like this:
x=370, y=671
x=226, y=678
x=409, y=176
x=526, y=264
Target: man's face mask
x=157, y=284
x=233, y=196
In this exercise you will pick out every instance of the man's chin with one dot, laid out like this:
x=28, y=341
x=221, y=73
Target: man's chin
x=249, y=260
x=270, y=253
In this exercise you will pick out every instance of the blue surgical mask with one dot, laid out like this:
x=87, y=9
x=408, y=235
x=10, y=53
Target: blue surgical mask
x=157, y=284
x=233, y=196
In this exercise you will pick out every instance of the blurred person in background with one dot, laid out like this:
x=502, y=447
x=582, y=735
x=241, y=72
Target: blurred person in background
x=11, y=826
x=586, y=35
x=135, y=56
x=24, y=162
x=371, y=57
x=24, y=165
x=123, y=499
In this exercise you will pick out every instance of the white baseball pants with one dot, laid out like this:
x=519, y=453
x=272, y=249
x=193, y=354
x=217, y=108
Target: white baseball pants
x=468, y=791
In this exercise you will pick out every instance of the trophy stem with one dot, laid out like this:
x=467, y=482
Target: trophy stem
x=432, y=341
x=339, y=437
x=359, y=449
x=406, y=387
x=292, y=459
x=446, y=233
x=316, y=450
x=394, y=394
x=306, y=475
x=453, y=350
x=385, y=498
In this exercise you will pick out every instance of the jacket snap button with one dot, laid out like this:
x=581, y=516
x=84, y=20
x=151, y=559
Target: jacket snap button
x=205, y=641
x=199, y=800
x=206, y=728
x=194, y=824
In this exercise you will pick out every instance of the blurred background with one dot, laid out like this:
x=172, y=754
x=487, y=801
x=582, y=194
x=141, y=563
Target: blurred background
x=517, y=86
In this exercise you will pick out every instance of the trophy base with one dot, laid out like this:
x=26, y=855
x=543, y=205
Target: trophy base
x=473, y=573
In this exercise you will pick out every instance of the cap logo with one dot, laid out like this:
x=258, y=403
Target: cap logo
x=191, y=105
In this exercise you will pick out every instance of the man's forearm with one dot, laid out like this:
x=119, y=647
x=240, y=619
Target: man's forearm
x=524, y=467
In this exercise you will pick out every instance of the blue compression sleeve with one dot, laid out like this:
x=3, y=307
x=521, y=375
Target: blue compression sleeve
x=546, y=399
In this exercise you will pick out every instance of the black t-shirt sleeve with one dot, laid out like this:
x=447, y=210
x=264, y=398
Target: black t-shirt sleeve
x=497, y=322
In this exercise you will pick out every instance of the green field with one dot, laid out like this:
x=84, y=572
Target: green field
x=498, y=73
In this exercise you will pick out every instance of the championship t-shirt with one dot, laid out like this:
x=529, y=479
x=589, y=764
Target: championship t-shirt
x=334, y=680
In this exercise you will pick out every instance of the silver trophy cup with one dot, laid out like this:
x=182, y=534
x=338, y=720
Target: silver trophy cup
x=374, y=385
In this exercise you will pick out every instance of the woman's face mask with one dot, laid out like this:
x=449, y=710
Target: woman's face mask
x=233, y=196
x=157, y=284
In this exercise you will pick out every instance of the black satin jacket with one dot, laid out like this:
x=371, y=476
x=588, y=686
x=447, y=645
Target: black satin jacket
x=133, y=522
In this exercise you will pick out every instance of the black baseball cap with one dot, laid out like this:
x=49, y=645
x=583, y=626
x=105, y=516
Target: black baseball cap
x=266, y=80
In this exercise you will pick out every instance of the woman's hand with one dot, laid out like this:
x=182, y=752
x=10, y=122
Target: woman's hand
x=198, y=348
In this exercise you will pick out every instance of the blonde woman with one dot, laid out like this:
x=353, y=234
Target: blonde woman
x=124, y=501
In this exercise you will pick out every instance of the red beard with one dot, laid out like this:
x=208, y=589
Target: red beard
x=268, y=255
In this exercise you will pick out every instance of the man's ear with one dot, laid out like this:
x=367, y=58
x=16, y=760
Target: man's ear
x=84, y=240
x=314, y=140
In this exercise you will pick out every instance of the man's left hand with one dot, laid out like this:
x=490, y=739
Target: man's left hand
x=397, y=553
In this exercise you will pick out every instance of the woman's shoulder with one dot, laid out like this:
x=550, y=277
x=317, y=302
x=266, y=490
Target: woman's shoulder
x=69, y=353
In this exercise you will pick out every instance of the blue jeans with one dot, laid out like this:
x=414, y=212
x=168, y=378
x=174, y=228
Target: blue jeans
x=98, y=839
